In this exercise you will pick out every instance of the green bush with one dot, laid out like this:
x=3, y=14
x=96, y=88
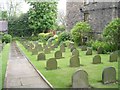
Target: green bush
x=6, y=38
x=111, y=33
x=64, y=36
x=106, y=46
x=79, y=31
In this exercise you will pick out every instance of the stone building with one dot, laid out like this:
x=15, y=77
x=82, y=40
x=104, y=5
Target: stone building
x=97, y=14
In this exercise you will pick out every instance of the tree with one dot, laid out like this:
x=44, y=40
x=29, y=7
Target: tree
x=111, y=33
x=42, y=16
x=79, y=31
x=18, y=26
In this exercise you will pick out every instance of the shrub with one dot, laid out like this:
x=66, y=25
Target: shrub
x=79, y=31
x=43, y=37
x=61, y=28
x=6, y=38
x=111, y=33
x=51, y=39
x=64, y=36
x=106, y=46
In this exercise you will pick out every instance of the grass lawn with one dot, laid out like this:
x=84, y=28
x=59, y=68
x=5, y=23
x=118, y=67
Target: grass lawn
x=3, y=61
x=61, y=78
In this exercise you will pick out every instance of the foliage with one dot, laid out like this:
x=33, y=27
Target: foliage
x=43, y=37
x=106, y=46
x=61, y=28
x=64, y=36
x=79, y=31
x=6, y=38
x=18, y=26
x=42, y=16
x=4, y=15
x=112, y=33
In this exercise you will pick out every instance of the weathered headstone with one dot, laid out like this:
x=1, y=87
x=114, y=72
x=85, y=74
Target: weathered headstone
x=39, y=47
x=74, y=61
x=51, y=64
x=100, y=50
x=47, y=50
x=41, y=56
x=96, y=59
x=52, y=47
x=72, y=48
x=62, y=48
x=75, y=52
x=58, y=54
x=34, y=51
x=113, y=57
x=89, y=51
x=71, y=44
x=84, y=48
x=109, y=75
x=80, y=79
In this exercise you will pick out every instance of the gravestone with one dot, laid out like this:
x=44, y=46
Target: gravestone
x=62, y=48
x=51, y=64
x=52, y=47
x=89, y=51
x=84, y=48
x=58, y=54
x=74, y=61
x=71, y=44
x=113, y=57
x=80, y=79
x=72, y=48
x=34, y=51
x=100, y=50
x=109, y=75
x=39, y=47
x=47, y=50
x=75, y=52
x=41, y=56
x=96, y=59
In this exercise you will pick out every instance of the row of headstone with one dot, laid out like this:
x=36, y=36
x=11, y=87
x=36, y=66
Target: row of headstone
x=80, y=78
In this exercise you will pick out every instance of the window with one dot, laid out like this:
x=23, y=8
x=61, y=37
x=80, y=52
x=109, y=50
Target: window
x=86, y=15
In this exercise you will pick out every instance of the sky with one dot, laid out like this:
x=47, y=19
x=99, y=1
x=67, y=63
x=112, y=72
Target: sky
x=61, y=6
x=25, y=6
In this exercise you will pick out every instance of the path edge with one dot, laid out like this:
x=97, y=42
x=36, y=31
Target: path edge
x=40, y=74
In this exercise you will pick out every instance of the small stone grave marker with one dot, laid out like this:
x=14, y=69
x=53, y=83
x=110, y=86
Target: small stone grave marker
x=41, y=56
x=109, y=75
x=75, y=52
x=34, y=51
x=97, y=59
x=113, y=57
x=84, y=48
x=80, y=79
x=51, y=64
x=72, y=48
x=62, y=48
x=100, y=50
x=58, y=54
x=47, y=50
x=74, y=61
x=89, y=51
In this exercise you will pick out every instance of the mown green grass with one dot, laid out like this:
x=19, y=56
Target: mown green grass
x=3, y=62
x=61, y=78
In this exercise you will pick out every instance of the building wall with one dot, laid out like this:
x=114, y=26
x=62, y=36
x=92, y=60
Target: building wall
x=73, y=14
x=99, y=14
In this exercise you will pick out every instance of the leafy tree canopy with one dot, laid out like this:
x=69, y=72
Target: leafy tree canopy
x=42, y=16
